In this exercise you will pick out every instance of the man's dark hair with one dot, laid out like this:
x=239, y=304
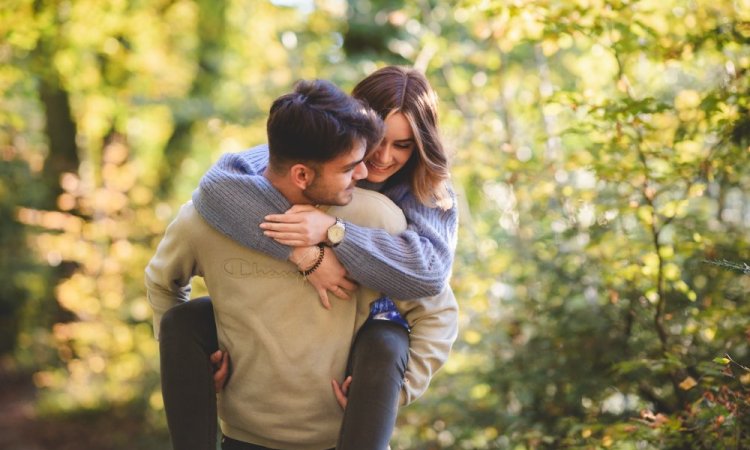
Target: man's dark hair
x=317, y=122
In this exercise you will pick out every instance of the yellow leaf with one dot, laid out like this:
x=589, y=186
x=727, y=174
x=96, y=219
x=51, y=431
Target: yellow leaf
x=688, y=383
x=687, y=99
x=472, y=337
x=480, y=391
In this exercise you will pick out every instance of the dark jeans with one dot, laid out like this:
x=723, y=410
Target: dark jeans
x=377, y=362
x=228, y=443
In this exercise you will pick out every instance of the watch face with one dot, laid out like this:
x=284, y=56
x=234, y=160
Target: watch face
x=336, y=233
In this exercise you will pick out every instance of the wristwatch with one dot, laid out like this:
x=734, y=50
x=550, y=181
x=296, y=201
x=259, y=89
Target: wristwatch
x=336, y=233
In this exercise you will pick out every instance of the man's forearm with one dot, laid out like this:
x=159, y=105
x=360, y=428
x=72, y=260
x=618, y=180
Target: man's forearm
x=168, y=274
x=434, y=329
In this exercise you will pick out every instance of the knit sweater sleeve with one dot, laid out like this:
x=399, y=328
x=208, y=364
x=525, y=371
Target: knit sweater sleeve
x=416, y=263
x=234, y=197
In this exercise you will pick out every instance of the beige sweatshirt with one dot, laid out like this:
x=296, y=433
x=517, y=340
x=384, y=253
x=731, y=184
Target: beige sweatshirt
x=285, y=347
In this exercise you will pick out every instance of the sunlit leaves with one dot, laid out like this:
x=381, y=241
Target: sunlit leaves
x=618, y=212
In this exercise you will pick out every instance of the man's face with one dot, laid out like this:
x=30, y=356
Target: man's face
x=335, y=180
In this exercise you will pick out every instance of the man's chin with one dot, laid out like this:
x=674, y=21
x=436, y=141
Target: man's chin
x=346, y=198
x=343, y=198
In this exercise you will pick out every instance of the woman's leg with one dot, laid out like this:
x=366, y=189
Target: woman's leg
x=188, y=338
x=377, y=363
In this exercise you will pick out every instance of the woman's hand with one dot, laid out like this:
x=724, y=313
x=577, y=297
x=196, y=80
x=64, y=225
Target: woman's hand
x=342, y=391
x=220, y=363
x=299, y=226
x=331, y=276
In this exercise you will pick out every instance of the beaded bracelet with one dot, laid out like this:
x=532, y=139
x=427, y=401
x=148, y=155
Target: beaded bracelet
x=315, y=266
x=308, y=258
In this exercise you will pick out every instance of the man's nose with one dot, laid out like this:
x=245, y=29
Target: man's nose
x=360, y=171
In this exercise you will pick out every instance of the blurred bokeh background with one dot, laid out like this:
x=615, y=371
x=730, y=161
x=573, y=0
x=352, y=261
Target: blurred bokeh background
x=601, y=156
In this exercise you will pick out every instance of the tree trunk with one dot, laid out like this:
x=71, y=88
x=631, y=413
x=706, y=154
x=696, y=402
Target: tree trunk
x=61, y=137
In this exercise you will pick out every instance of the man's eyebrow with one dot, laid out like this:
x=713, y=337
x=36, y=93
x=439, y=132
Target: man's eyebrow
x=353, y=165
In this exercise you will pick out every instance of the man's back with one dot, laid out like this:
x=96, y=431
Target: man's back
x=285, y=347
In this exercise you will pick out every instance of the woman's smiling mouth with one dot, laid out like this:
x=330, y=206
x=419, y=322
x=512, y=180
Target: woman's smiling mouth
x=378, y=167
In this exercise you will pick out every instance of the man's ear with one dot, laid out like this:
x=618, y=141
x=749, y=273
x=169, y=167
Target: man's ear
x=302, y=175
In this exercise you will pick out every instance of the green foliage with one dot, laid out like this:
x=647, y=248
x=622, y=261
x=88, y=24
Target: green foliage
x=600, y=155
x=600, y=160
x=25, y=284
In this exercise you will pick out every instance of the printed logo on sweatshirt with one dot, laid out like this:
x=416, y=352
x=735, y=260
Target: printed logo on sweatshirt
x=239, y=268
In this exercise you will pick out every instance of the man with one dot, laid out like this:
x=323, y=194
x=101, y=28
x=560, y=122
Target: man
x=285, y=347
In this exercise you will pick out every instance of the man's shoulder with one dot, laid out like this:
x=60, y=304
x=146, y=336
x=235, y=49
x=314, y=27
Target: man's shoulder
x=188, y=220
x=372, y=209
x=187, y=211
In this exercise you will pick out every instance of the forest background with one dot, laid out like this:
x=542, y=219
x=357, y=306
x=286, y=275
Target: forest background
x=601, y=156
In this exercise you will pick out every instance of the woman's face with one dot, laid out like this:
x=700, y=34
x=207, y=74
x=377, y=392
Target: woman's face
x=394, y=151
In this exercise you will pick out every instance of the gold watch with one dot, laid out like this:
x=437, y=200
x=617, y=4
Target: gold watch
x=336, y=233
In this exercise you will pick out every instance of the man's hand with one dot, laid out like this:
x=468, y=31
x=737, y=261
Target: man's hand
x=299, y=226
x=342, y=391
x=220, y=363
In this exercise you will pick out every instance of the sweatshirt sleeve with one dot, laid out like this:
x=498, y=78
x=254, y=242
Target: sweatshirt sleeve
x=434, y=329
x=234, y=197
x=415, y=263
x=169, y=272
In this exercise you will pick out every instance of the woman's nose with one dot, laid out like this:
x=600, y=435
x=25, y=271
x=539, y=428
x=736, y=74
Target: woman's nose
x=383, y=154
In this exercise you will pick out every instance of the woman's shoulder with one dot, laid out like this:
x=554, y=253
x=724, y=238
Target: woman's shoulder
x=399, y=191
x=403, y=194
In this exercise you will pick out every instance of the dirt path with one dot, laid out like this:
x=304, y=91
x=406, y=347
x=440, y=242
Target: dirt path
x=17, y=418
x=21, y=429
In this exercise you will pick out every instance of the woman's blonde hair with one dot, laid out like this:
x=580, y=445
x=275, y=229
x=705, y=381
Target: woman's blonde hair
x=395, y=89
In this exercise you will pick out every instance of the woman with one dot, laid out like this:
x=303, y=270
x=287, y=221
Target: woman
x=411, y=168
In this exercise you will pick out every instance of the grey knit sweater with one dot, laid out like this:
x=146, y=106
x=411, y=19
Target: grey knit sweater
x=234, y=197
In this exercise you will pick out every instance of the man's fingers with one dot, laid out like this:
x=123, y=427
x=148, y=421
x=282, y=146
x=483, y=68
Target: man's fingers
x=339, y=393
x=345, y=385
x=221, y=374
x=216, y=357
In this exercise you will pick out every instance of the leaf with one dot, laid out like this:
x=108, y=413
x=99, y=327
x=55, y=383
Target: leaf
x=688, y=383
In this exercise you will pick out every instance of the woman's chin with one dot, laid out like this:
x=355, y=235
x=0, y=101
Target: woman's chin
x=375, y=178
